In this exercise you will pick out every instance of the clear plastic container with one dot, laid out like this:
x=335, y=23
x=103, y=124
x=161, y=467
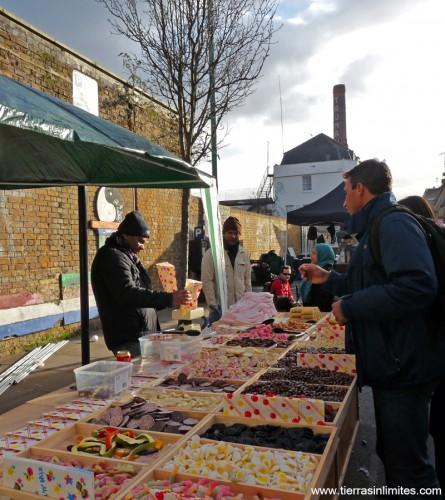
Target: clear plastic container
x=179, y=348
x=150, y=346
x=103, y=379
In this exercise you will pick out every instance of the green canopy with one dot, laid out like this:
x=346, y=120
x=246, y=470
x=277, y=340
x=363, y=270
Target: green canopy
x=47, y=142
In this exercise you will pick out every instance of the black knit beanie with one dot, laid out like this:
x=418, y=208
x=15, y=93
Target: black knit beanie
x=134, y=225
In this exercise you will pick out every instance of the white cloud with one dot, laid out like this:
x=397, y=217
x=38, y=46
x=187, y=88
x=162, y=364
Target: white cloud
x=389, y=54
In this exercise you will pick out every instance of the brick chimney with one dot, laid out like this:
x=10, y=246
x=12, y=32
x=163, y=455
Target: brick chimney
x=340, y=114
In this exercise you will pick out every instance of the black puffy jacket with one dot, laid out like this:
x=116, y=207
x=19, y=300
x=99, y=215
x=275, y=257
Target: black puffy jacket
x=122, y=289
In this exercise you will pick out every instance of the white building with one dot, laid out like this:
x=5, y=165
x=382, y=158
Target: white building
x=309, y=171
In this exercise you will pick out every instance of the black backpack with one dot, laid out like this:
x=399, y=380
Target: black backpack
x=435, y=236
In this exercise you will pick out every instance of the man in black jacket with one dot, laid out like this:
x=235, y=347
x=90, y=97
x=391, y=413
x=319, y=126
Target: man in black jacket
x=127, y=305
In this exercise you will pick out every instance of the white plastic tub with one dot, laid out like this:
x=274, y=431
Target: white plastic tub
x=103, y=379
x=150, y=349
x=179, y=348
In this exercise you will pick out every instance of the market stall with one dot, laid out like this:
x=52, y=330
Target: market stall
x=263, y=405
x=238, y=421
x=46, y=142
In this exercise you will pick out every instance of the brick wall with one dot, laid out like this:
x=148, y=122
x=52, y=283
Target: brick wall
x=261, y=233
x=39, y=227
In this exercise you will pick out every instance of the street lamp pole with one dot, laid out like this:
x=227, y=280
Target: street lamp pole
x=212, y=94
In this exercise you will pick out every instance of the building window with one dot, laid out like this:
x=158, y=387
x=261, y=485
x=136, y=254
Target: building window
x=307, y=182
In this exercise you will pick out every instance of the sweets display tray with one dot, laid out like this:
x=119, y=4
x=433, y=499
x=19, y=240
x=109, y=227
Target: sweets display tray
x=67, y=436
x=324, y=474
x=196, y=395
x=87, y=461
x=329, y=473
x=197, y=415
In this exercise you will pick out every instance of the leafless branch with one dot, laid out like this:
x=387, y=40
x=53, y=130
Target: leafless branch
x=173, y=64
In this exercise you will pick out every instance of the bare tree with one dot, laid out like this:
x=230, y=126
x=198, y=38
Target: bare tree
x=174, y=65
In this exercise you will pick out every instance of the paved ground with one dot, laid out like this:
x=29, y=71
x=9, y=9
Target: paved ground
x=365, y=469
x=58, y=369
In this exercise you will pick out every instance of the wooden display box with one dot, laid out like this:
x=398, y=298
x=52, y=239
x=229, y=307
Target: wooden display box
x=62, y=439
x=145, y=393
x=325, y=474
x=346, y=421
x=237, y=383
x=269, y=356
x=86, y=460
x=198, y=415
x=249, y=492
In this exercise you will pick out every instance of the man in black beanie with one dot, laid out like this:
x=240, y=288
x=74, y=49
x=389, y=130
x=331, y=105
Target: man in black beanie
x=127, y=305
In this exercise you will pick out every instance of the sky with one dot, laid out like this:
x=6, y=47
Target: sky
x=388, y=53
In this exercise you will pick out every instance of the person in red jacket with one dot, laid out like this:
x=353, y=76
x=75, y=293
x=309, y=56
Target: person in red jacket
x=281, y=290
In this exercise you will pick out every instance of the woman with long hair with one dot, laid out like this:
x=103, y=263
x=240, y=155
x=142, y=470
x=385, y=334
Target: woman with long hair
x=420, y=206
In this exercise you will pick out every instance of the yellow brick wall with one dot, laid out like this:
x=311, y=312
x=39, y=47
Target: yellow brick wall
x=39, y=227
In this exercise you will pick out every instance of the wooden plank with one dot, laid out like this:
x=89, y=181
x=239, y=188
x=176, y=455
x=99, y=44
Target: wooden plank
x=346, y=421
x=342, y=470
x=98, y=224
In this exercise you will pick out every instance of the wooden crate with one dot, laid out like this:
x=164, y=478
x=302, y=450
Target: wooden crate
x=86, y=460
x=188, y=413
x=145, y=393
x=238, y=383
x=324, y=476
x=249, y=492
x=60, y=440
x=346, y=421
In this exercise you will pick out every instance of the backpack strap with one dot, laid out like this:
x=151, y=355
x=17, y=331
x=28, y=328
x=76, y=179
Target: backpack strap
x=374, y=232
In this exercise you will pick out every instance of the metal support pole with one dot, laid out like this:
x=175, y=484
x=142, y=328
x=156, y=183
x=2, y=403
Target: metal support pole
x=212, y=94
x=83, y=270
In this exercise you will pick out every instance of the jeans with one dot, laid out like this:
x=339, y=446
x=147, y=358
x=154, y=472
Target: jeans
x=215, y=314
x=437, y=430
x=402, y=418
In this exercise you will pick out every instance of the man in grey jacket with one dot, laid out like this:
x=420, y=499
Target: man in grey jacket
x=237, y=268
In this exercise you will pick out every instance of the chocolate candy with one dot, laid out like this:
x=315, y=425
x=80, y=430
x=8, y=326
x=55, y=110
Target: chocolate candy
x=196, y=384
x=309, y=375
x=297, y=390
x=251, y=342
x=269, y=436
x=141, y=414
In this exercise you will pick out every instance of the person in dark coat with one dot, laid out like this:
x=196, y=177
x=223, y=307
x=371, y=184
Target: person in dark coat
x=316, y=295
x=386, y=310
x=420, y=206
x=126, y=302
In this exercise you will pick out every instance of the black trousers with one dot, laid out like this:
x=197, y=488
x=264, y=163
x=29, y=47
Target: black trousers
x=437, y=430
x=402, y=422
x=149, y=324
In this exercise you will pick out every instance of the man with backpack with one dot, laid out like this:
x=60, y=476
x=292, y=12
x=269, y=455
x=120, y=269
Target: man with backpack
x=386, y=303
